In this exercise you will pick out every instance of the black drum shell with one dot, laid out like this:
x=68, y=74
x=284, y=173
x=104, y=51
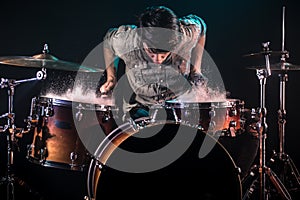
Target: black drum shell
x=213, y=177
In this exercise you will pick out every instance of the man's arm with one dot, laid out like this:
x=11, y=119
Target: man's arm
x=196, y=29
x=115, y=44
x=110, y=71
x=197, y=55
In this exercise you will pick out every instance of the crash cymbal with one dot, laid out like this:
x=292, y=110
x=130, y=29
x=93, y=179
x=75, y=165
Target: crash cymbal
x=47, y=61
x=284, y=66
x=263, y=53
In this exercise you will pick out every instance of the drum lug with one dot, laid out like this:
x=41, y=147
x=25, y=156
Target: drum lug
x=200, y=127
x=238, y=170
x=212, y=125
x=106, y=117
x=154, y=115
x=29, y=150
x=73, y=157
x=79, y=115
x=49, y=112
x=232, y=123
x=212, y=113
x=133, y=124
x=99, y=165
x=176, y=118
x=232, y=112
x=43, y=155
x=140, y=124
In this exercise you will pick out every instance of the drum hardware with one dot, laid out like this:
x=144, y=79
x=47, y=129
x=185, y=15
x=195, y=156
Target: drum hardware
x=264, y=171
x=73, y=157
x=106, y=113
x=289, y=173
x=107, y=110
x=47, y=61
x=288, y=166
x=154, y=114
x=175, y=115
x=142, y=123
x=290, y=181
x=55, y=141
x=10, y=128
x=234, y=126
x=79, y=114
x=44, y=109
x=224, y=118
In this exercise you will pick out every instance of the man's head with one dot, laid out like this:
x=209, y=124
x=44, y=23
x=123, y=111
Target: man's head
x=159, y=30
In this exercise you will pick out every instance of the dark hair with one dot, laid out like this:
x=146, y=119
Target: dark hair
x=159, y=28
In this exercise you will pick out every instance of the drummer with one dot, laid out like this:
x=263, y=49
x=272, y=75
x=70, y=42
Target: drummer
x=162, y=55
x=151, y=54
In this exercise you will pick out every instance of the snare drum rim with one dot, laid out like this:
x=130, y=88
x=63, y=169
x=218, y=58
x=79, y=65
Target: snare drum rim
x=75, y=104
x=203, y=105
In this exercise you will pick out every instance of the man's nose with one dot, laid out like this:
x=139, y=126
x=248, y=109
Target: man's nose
x=157, y=59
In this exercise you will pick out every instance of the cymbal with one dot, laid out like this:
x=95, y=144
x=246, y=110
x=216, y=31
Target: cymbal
x=47, y=61
x=284, y=66
x=262, y=53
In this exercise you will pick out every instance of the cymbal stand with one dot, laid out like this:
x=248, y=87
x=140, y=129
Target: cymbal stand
x=261, y=128
x=287, y=170
x=287, y=164
x=10, y=128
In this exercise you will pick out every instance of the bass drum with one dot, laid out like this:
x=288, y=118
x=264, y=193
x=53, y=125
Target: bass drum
x=214, y=176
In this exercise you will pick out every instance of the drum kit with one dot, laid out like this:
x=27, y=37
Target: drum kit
x=56, y=142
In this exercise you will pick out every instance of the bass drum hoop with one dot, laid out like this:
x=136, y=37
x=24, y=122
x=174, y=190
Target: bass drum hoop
x=121, y=134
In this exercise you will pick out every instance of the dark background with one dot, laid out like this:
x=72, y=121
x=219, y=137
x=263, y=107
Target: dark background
x=73, y=28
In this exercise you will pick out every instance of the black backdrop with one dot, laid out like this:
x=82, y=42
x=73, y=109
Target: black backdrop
x=73, y=28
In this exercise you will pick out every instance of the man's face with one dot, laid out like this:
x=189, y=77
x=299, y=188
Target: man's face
x=157, y=58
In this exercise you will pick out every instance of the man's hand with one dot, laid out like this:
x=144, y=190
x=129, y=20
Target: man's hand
x=108, y=85
x=197, y=79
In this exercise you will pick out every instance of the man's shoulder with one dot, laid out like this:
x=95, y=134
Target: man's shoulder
x=192, y=20
x=123, y=28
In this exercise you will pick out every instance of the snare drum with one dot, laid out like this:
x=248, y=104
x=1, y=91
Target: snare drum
x=224, y=118
x=58, y=130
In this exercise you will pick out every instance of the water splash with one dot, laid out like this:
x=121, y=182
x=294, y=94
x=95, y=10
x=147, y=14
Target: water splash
x=203, y=94
x=78, y=94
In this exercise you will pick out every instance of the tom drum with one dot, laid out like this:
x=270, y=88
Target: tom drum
x=58, y=128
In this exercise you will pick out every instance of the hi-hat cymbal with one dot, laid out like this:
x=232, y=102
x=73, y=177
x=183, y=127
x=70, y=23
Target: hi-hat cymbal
x=283, y=66
x=47, y=61
x=263, y=53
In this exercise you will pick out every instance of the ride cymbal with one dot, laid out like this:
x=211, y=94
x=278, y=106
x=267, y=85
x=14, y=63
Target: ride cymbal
x=47, y=61
x=282, y=66
x=263, y=53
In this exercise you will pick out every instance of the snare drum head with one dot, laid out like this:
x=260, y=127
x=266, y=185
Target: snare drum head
x=213, y=177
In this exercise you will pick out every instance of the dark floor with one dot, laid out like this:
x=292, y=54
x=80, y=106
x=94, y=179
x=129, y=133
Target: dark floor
x=44, y=183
